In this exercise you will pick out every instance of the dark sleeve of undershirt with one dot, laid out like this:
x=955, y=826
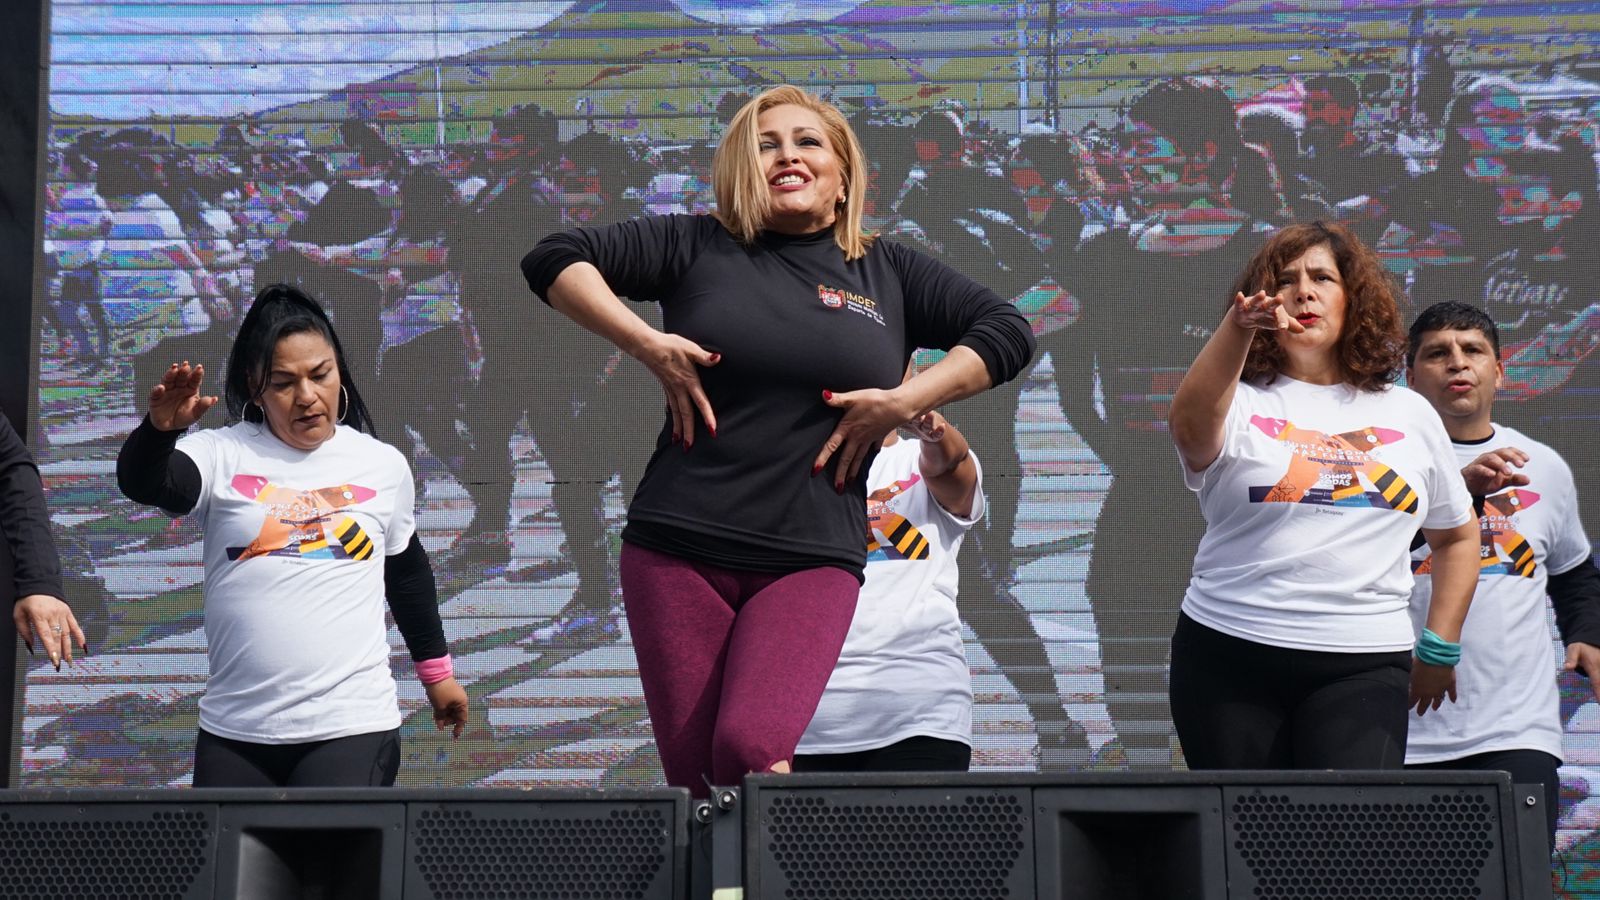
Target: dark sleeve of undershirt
x=150, y=470
x=414, y=600
x=640, y=258
x=1575, y=594
x=946, y=309
x=36, y=568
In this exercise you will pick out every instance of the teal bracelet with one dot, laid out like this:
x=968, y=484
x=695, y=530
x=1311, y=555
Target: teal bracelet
x=1436, y=651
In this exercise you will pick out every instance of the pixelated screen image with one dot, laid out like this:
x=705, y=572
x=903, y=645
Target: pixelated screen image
x=1108, y=165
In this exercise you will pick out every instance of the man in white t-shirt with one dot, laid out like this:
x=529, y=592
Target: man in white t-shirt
x=1507, y=713
x=900, y=697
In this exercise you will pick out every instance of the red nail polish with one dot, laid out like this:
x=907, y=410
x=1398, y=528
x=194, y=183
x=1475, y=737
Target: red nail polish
x=716, y=357
x=838, y=487
x=676, y=438
x=827, y=395
x=815, y=469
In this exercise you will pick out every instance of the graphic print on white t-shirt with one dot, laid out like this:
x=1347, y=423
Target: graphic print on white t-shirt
x=1504, y=551
x=295, y=542
x=891, y=535
x=1310, y=509
x=297, y=521
x=1334, y=469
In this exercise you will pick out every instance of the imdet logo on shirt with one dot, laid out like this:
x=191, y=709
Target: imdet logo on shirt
x=839, y=298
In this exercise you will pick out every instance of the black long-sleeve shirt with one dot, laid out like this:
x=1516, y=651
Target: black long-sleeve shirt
x=36, y=568
x=791, y=318
x=151, y=470
x=1575, y=595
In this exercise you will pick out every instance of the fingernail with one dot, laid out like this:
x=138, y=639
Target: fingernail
x=827, y=395
x=713, y=430
x=838, y=487
x=676, y=438
x=716, y=357
x=815, y=469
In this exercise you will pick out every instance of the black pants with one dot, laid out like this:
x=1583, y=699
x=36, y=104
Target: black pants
x=360, y=760
x=1238, y=704
x=1525, y=766
x=914, y=754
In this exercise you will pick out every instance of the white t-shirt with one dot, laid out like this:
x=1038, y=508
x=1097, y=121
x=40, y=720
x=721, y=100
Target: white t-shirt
x=1310, y=511
x=294, y=593
x=1506, y=681
x=903, y=670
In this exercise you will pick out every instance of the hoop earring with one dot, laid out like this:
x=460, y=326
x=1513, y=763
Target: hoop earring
x=344, y=404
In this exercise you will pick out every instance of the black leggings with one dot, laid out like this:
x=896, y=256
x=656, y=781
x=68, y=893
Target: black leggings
x=914, y=754
x=1238, y=704
x=1525, y=766
x=360, y=760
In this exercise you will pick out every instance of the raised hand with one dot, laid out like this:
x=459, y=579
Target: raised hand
x=1263, y=311
x=930, y=427
x=176, y=403
x=1495, y=471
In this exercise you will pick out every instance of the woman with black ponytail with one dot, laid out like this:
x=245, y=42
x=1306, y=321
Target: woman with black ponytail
x=308, y=527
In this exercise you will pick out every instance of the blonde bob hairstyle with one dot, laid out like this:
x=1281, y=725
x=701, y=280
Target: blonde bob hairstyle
x=743, y=203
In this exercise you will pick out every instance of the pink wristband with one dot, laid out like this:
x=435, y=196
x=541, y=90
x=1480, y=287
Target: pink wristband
x=433, y=671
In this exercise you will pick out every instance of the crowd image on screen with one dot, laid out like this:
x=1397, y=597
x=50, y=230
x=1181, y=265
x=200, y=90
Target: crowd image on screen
x=1116, y=231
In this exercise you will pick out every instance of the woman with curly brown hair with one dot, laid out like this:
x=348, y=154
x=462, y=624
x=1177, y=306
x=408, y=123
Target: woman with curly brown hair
x=1294, y=648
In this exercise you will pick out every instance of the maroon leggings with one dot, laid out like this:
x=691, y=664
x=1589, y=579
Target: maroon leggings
x=733, y=663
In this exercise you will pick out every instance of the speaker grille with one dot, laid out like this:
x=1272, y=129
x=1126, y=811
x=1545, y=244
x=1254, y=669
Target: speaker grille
x=60, y=851
x=959, y=847
x=524, y=850
x=1411, y=843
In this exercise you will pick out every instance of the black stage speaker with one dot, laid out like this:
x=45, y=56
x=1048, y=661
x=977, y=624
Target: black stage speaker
x=345, y=844
x=1132, y=836
x=107, y=849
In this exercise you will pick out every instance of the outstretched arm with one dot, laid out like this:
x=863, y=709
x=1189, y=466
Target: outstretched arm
x=1200, y=406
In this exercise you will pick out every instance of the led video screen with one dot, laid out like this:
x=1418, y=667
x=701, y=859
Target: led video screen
x=398, y=159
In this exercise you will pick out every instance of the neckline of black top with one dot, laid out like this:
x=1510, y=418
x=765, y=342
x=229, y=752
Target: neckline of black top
x=778, y=237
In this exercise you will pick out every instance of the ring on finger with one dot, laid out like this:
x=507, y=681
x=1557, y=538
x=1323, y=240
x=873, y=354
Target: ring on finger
x=57, y=629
